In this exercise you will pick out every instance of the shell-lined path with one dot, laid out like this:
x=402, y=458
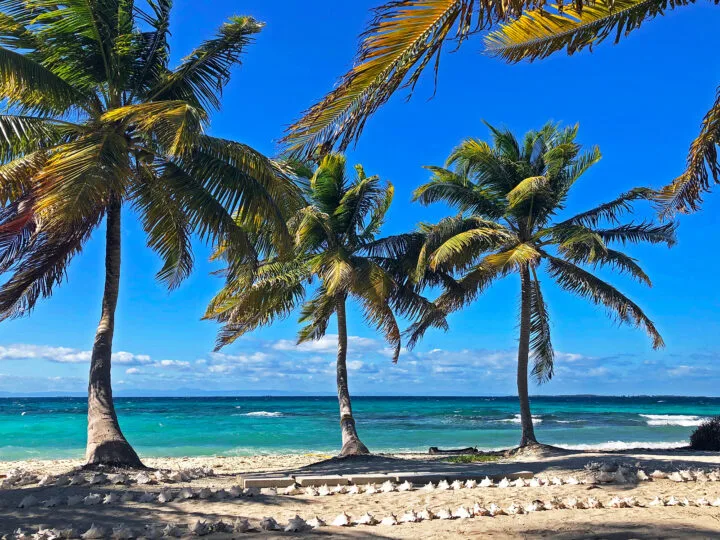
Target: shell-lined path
x=197, y=502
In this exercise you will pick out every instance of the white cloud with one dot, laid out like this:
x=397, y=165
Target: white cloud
x=132, y=371
x=327, y=344
x=179, y=364
x=122, y=357
x=221, y=368
x=355, y=365
x=64, y=355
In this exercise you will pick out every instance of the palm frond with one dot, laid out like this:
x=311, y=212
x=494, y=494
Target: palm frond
x=685, y=193
x=541, y=32
x=642, y=232
x=527, y=189
x=201, y=77
x=543, y=353
x=316, y=314
x=578, y=281
x=458, y=191
x=403, y=37
x=611, y=211
x=521, y=254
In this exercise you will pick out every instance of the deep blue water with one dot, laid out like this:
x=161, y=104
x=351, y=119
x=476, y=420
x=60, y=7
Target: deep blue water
x=55, y=427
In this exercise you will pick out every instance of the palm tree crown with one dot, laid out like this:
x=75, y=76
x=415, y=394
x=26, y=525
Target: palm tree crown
x=508, y=194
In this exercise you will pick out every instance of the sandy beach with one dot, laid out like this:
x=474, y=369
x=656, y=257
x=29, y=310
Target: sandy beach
x=642, y=520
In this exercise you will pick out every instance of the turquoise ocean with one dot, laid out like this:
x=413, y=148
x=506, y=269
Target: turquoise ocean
x=55, y=427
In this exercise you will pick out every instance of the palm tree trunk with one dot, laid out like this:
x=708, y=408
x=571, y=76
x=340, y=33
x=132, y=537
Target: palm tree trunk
x=351, y=443
x=526, y=422
x=105, y=442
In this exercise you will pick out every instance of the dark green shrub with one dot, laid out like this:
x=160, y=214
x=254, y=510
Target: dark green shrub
x=707, y=436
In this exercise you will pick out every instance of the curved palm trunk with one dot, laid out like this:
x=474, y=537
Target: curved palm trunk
x=351, y=443
x=105, y=442
x=526, y=422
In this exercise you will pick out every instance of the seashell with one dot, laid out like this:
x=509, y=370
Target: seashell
x=296, y=524
x=172, y=531
x=504, y=483
x=342, y=520
x=570, y=503
x=456, y=485
x=339, y=490
x=94, y=532
x=405, y=486
x=444, y=513
x=176, y=476
x=199, y=528
x=640, y=475
x=236, y=491
x=592, y=502
x=672, y=501
x=97, y=479
x=45, y=534
x=702, y=501
x=290, y=490
x=535, y=506
x=161, y=476
x=714, y=476
x=74, y=500
x=605, y=477
x=471, y=484
x=366, y=519
x=700, y=476
x=312, y=491
x=111, y=498
x=142, y=478
x=62, y=480
x=121, y=532
x=428, y=487
x=93, y=499
x=443, y=485
x=616, y=502
x=205, y=493
x=28, y=502
x=426, y=514
x=316, y=523
x=486, y=482
x=495, y=510
x=67, y=533
x=251, y=492
x=534, y=482
x=675, y=477
x=687, y=475
x=387, y=487
x=324, y=491
x=76, y=480
x=118, y=479
x=556, y=481
x=21, y=534
x=519, y=483
x=686, y=502
x=716, y=502
x=370, y=489
x=353, y=490
x=165, y=496
x=409, y=517
x=572, y=481
x=658, y=475
x=147, y=497
x=480, y=510
x=657, y=501
x=241, y=525
x=45, y=481
x=52, y=502
x=271, y=491
x=514, y=509
x=389, y=520
x=186, y=493
x=221, y=527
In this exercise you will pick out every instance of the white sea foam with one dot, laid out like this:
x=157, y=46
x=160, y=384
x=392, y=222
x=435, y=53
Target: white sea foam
x=516, y=420
x=673, y=420
x=621, y=445
x=272, y=414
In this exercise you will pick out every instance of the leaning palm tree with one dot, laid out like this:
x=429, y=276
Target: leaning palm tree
x=508, y=194
x=335, y=244
x=97, y=121
x=405, y=36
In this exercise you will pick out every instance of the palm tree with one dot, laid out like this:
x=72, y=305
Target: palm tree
x=508, y=194
x=405, y=36
x=98, y=121
x=335, y=244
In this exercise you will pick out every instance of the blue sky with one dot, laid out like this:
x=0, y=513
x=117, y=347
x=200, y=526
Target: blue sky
x=641, y=101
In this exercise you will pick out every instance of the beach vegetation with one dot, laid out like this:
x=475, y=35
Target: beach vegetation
x=97, y=122
x=707, y=436
x=508, y=194
x=336, y=248
x=473, y=458
x=405, y=37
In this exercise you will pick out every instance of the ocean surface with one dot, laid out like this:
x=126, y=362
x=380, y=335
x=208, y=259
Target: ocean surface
x=55, y=427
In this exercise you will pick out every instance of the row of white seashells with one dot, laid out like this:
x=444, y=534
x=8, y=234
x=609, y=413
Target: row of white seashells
x=18, y=478
x=298, y=524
